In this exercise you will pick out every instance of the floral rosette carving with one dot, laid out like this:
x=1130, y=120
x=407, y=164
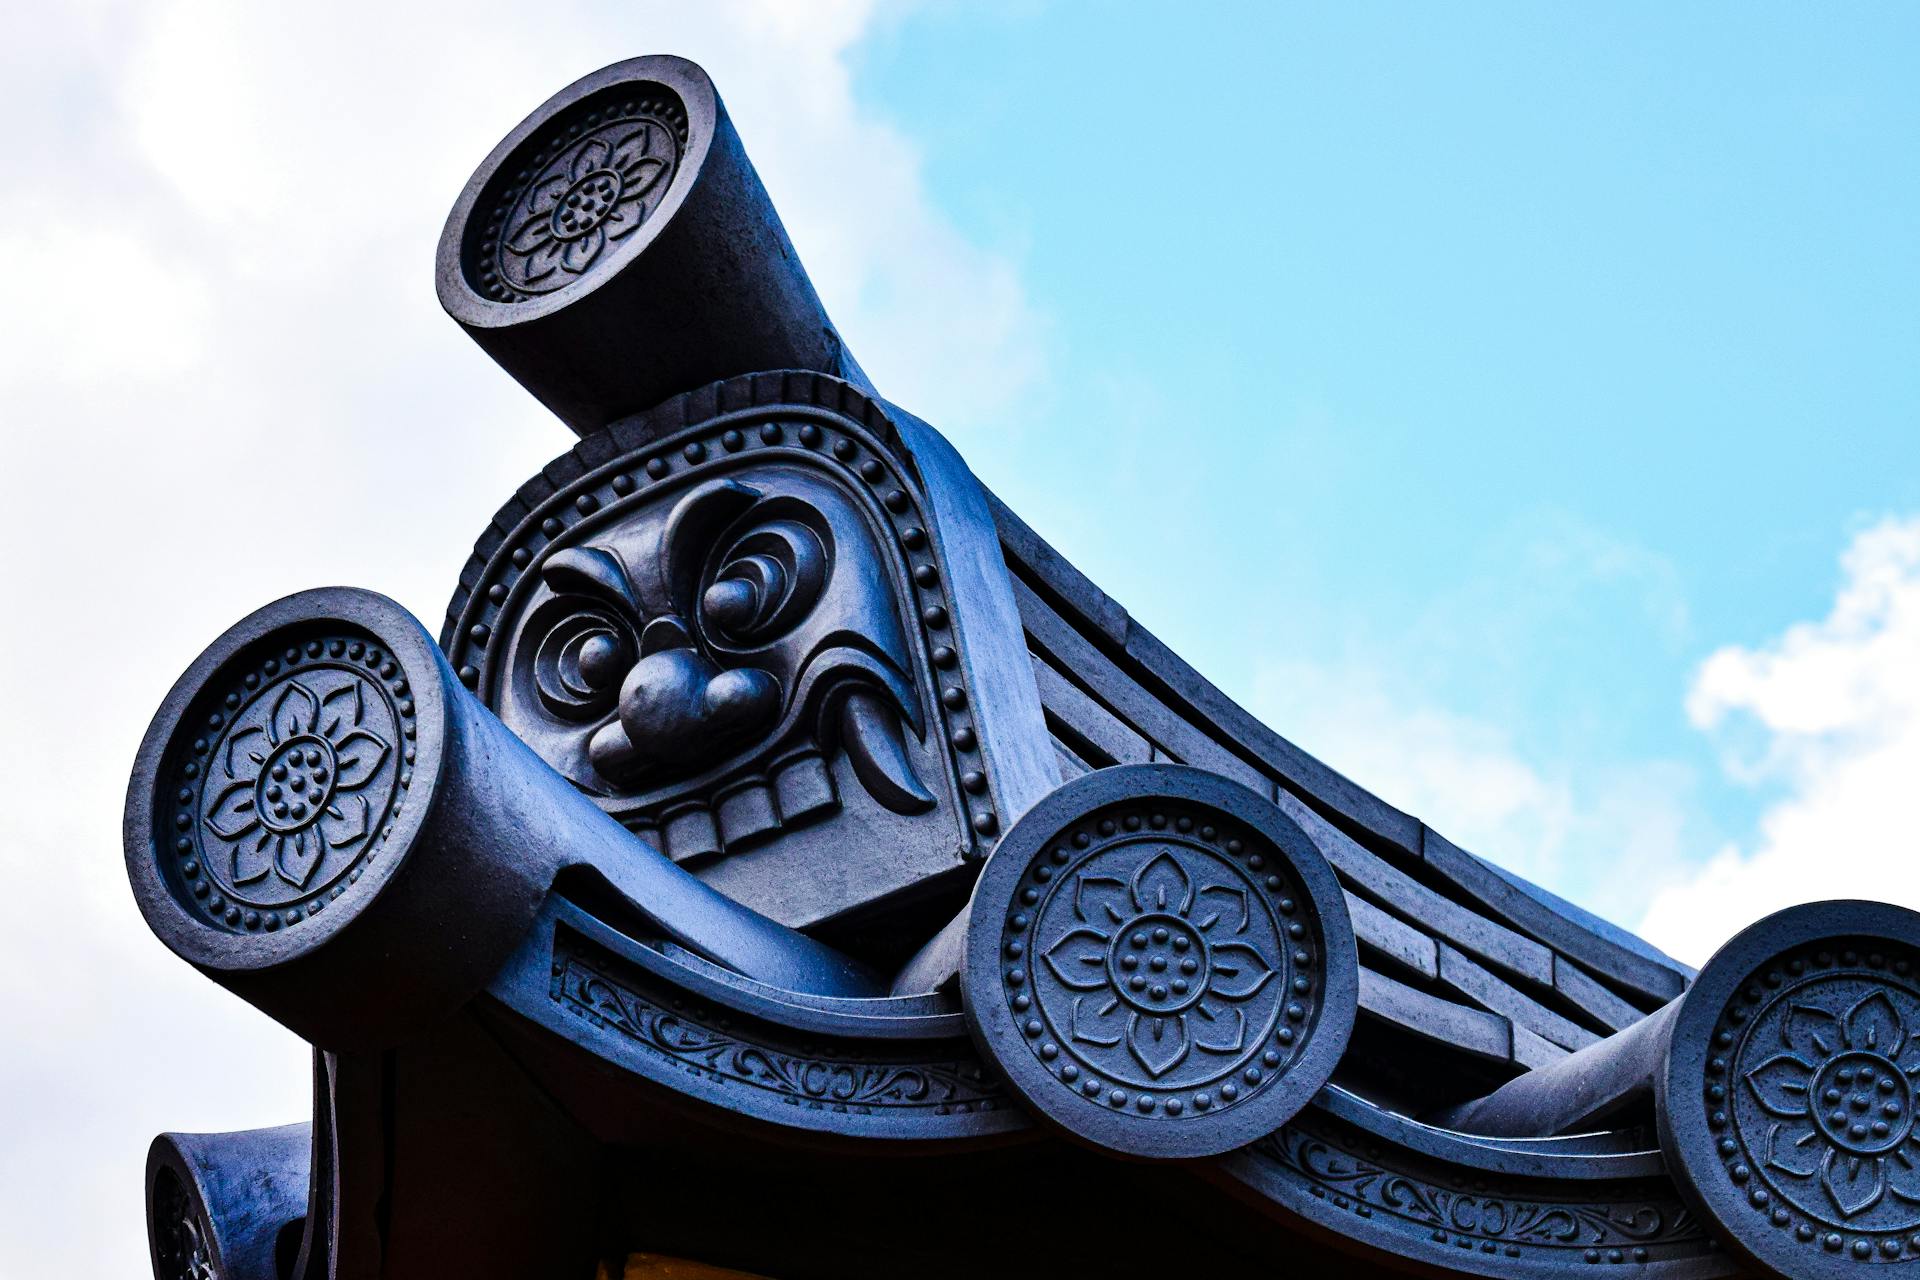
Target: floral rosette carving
x=181, y=1242
x=285, y=794
x=1159, y=966
x=1825, y=1101
x=1160, y=963
x=1809, y=1083
x=1169, y=970
x=294, y=770
x=586, y=186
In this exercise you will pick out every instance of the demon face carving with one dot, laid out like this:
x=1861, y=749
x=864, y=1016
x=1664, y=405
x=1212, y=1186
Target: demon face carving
x=743, y=630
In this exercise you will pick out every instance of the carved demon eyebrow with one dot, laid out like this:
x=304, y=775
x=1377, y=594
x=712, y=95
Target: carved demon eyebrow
x=695, y=521
x=592, y=571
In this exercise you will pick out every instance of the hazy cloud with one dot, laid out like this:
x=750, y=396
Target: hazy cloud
x=1599, y=833
x=1822, y=722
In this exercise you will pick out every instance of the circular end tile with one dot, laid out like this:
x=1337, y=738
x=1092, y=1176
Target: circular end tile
x=1786, y=1105
x=267, y=794
x=1160, y=962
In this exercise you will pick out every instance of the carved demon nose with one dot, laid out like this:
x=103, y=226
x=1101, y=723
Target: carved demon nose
x=677, y=706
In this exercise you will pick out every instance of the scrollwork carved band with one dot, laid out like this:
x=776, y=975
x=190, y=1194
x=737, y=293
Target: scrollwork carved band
x=1435, y=1210
x=715, y=1045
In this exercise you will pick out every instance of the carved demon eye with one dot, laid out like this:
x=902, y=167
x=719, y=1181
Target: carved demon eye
x=580, y=663
x=767, y=581
x=588, y=633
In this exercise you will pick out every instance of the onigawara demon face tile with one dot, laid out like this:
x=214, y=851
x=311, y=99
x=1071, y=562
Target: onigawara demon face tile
x=742, y=642
x=745, y=621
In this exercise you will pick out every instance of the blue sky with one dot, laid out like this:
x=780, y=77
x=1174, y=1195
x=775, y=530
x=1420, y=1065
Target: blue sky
x=1524, y=354
x=1515, y=406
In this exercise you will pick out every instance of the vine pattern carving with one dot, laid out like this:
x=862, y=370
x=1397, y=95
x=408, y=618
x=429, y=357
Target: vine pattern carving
x=1493, y=1218
x=684, y=1032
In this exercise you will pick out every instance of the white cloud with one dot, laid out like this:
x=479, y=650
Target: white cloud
x=1823, y=722
x=227, y=378
x=1829, y=713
